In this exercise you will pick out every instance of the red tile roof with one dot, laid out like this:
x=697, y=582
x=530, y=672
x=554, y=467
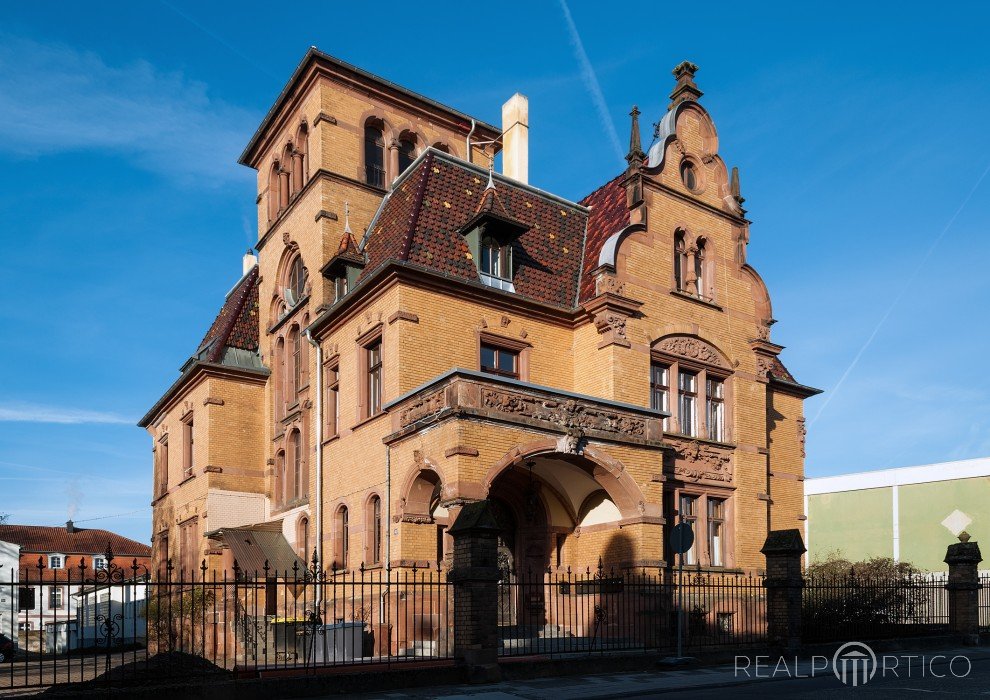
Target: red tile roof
x=609, y=214
x=778, y=371
x=421, y=220
x=236, y=325
x=43, y=539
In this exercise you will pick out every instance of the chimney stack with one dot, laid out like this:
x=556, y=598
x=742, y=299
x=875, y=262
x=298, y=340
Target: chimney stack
x=515, y=138
x=70, y=527
x=250, y=260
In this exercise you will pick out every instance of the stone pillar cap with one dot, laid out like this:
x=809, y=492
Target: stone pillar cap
x=963, y=553
x=475, y=517
x=784, y=542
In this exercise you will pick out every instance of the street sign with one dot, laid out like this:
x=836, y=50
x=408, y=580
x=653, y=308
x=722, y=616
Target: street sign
x=681, y=538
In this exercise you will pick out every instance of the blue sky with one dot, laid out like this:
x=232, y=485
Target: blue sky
x=860, y=132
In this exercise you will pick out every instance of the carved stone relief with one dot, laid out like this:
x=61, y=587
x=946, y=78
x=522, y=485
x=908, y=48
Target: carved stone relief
x=691, y=348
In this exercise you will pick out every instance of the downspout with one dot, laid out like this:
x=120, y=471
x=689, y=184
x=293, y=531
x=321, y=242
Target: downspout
x=319, y=455
x=467, y=157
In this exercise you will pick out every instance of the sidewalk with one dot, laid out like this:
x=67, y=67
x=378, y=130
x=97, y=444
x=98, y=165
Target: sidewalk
x=621, y=685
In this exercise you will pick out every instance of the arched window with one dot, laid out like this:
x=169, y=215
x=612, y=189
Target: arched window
x=680, y=261
x=299, y=154
x=342, y=539
x=700, y=268
x=440, y=146
x=292, y=376
x=298, y=478
x=296, y=282
x=407, y=153
x=273, y=184
x=374, y=155
x=279, y=494
x=302, y=538
x=374, y=530
x=689, y=175
x=496, y=259
x=280, y=397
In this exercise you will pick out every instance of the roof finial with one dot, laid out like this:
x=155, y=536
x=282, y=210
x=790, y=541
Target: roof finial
x=347, y=217
x=685, y=88
x=635, y=145
x=491, y=168
x=736, y=192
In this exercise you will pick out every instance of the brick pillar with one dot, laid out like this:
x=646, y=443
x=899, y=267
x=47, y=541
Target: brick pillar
x=784, y=584
x=964, y=588
x=475, y=576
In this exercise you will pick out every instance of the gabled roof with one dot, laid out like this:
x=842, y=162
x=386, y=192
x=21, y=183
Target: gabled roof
x=43, y=539
x=609, y=214
x=236, y=326
x=421, y=220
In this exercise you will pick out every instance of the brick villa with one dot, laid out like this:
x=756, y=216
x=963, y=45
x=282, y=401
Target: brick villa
x=418, y=332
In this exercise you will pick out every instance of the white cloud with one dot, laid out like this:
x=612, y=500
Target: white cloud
x=54, y=99
x=33, y=413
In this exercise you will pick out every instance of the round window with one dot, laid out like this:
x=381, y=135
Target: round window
x=689, y=175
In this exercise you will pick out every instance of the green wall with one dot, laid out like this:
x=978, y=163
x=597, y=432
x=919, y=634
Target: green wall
x=857, y=524
x=923, y=507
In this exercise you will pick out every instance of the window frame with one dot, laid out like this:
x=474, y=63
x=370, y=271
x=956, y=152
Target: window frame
x=331, y=399
x=406, y=147
x=703, y=372
x=56, y=561
x=660, y=390
x=161, y=453
x=373, y=355
x=702, y=521
x=298, y=467
x=364, y=345
x=499, y=256
x=378, y=166
x=519, y=348
x=56, y=592
x=188, y=445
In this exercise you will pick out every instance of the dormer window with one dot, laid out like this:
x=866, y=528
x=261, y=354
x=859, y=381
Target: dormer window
x=689, y=175
x=490, y=235
x=339, y=287
x=496, y=259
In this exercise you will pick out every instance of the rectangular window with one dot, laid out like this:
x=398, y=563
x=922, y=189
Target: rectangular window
x=687, y=385
x=163, y=465
x=187, y=447
x=339, y=288
x=55, y=597
x=715, y=408
x=689, y=514
x=500, y=361
x=99, y=563
x=55, y=561
x=716, y=531
x=374, y=378
x=376, y=544
x=660, y=389
x=330, y=400
x=25, y=598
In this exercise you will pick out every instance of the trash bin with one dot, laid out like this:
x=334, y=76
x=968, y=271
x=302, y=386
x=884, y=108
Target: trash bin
x=336, y=643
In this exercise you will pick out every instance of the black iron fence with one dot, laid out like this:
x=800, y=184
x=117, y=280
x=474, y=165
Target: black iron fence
x=851, y=607
x=123, y=624
x=598, y=611
x=984, y=604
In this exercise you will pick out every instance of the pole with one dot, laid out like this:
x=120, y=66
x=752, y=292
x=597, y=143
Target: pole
x=680, y=589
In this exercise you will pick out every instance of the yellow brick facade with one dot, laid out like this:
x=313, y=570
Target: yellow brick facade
x=469, y=439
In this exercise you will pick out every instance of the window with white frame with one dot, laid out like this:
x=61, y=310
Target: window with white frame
x=55, y=597
x=687, y=388
x=99, y=562
x=715, y=408
x=696, y=393
x=55, y=561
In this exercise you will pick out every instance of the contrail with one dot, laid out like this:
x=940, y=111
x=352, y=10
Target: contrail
x=219, y=38
x=907, y=285
x=591, y=82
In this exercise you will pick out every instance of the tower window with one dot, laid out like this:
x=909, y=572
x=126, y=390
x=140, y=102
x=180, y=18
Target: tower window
x=374, y=156
x=297, y=279
x=407, y=154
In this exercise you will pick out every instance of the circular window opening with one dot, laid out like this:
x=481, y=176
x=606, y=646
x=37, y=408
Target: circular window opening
x=689, y=175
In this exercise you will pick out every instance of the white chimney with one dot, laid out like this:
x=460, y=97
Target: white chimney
x=250, y=260
x=515, y=138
